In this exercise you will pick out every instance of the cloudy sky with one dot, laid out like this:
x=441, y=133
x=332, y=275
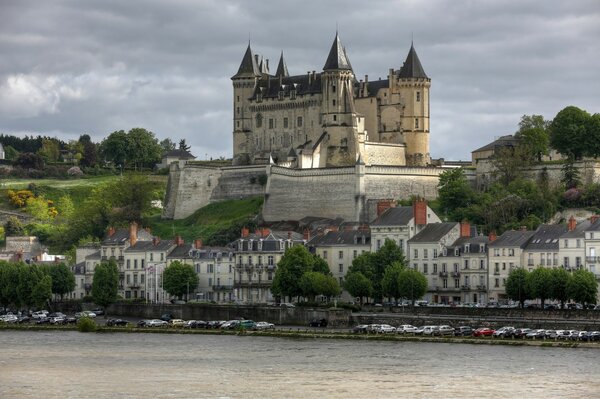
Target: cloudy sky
x=73, y=67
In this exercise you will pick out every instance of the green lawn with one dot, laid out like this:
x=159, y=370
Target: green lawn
x=207, y=221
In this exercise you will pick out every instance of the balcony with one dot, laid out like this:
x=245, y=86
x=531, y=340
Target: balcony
x=592, y=259
x=465, y=288
x=120, y=258
x=496, y=272
x=103, y=258
x=246, y=284
x=443, y=274
x=481, y=288
x=455, y=274
x=133, y=286
x=222, y=287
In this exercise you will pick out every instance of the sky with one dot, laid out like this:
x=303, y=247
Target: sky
x=93, y=67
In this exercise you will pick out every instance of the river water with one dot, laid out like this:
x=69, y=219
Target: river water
x=76, y=365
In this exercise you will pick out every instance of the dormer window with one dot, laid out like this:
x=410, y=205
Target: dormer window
x=240, y=245
x=280, y=95
x=260, y=244
x=259, y=97
x=445, y=251
x=467, y=247
x=456, y=252
x=293, y=94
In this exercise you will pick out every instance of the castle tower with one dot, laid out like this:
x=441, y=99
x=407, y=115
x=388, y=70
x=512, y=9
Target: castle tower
x=339, y=119
x=282, y=67
x=244, y=84
x=414, y=85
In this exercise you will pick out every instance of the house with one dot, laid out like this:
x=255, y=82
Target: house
x=179, y=156
x=571, y=247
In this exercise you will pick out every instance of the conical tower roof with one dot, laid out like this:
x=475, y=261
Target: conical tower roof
x=282, y=67
x=337, y=58
x=248, y=67
x=412, y=67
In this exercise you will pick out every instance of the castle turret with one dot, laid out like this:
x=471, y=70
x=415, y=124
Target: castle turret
x=282, y=67
x=244, y=84
x=414, y=84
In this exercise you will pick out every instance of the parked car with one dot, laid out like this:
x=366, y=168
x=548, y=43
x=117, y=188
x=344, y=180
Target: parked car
x=419, y=330
x=176, y=322
x=166, y=317
x=43, y=320
x=98, y=311
x=263, y=325
x=85, y=313
x=215, y=323
x=142, y=323
x=503, y=332
x=521, y=332
x=56, y=314
x=70, y=320
x=444, y=330
x=318, y=323
x=360, y=329
x=385, y=329
x=230, y=325
x=57, y=320
x=247, y=324
x=156, y=323
x=9, y=318
x=117, y=322
x=463, y=331
x=406, y=329
x=430, y=330
x=483, y=332
x=287, y=305
x=536, y=334
x=23, y=319
x=39, y=314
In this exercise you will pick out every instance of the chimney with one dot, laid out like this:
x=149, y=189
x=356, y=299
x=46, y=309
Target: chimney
x=179, y=241
x=308, y=73
x=465, y=229
x=593, y=218
x=133, y=228
x=155, y=240
x=258, y=232
x=572, y=223
x=420, y=211
x=265, y=232
x=306, y=235
x=198, y=243
x=492, y=236
x=245, y=232
x=363, y=227
x=289, y=235
x=111, y=231
x=384, y=205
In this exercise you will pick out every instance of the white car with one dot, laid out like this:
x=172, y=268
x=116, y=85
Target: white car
x=39, y=315
x=430, y=330
x=406, y=329
x=385, y=329
x=263, y=325
x=156, y=323
x=9, y=318
x=177, y=322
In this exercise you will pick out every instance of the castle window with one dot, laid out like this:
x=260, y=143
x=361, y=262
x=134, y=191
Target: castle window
x=334, y=103
x=238, y=123
x=333, y=88
x=271, y=123
x=259, y=120
x=334, y=118
x=416, y=123
x=238, y=110
x=285, y=123
x=418, y=96
x=280, y=96
x=238, y=98
x=293, y=94
x=299, y=121
x=258, y=97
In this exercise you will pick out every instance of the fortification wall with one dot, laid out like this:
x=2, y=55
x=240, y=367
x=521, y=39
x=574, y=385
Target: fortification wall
x=385, y=154
x=292, y=194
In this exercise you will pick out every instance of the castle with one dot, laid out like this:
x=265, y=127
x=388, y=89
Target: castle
x=329, y=119
x=329, y=145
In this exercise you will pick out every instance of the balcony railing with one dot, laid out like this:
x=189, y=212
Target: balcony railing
x=443, y=274
x=227, y=287
x=455, y=274
x=481, y=288
x=496, y=272
x=592, y=259
x=246, y=284
x=465, y=287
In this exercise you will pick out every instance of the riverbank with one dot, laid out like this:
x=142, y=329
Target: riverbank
x=320, y=334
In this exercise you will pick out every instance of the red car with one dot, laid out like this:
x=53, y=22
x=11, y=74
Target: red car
x=483, y=332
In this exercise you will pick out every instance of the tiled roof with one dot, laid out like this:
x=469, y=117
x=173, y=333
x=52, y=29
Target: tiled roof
x=594, y=226
x=180, y=252
x=336, y=238
x=412, y=67
x=145, y=246
x=337, y=58
x=433, y=232
x=503, y=141
x=122, y=235
x=179, y=154
x=398, y=216
x=579, y=231
x=546, y=237
x=513, y=238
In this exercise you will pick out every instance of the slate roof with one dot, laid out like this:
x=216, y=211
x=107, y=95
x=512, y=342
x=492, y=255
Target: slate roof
x=182, y=154
x=594, y=226
x=145, y=246
x=503, y=141
x=270, y=243
x=433, y=232
x=474, y=247
x=78, y=268
x=546, y=237
x=180, y=252
x=248, y=66
x=211, y=252
x=122, y=235
x=282, y=67
x=376, y=85
x=94, y=256
x=337, y=238
x=337, y=58
x=579, y=231
x=270, y=87
x=513, y=238
x=398, y=216
x=412, y=67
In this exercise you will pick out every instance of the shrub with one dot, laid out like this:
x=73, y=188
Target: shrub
x=74, y=171
x=86, y=324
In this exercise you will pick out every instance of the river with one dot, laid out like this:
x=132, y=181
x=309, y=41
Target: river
x=120, y=365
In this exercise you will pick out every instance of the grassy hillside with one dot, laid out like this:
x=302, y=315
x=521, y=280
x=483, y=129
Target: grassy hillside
x=209, y=221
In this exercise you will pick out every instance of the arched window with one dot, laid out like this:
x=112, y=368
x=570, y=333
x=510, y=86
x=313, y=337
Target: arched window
x=259, y=120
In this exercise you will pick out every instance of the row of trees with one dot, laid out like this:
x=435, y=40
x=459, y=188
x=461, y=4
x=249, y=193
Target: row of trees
x=27, y=285
x=302, y=274
x=554, y=284
x=384, y=274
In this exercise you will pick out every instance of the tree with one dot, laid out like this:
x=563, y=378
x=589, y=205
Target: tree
x=114, y=148
x=63, y=279
x=592, y=129
x=131, y=197
x=568, y=132
x=559, y=283
x=583, y=287
x=391, y=281
x=509, y=162
x=385, y=256
x=533, y=122
x=540, y=284
x=517, y=287
x=312, y=284
x=90, y=151
x=105, y=284
x=179, y=279
x=358, y=286
x=50, y=150
x=143, y=148
x=183, y=146
x=9, y=280
x=38, y=208
x=412, y=284
x=42, y=292
x=13, y=227
x=10, y=153
x=535, y=141
x=293, y=264
x=331, y=287
x=167, y=145
x=570, y=173
x=29, y=277
x=454, y=193
x=28, y=160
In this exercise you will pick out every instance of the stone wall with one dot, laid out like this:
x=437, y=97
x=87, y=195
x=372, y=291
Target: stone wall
x=385, y=154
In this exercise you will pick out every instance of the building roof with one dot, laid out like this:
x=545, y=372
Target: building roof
x=412, y=67
x=337, y=58
x=474, y=247
x=270, y=242
x=248, y=66
x=513, y=238
x=594, y=226
x=180, y=252
x=182, y=154
x=270, y=86
x=122, y=235
x=339, y=238
x=546, y=237
x=376, y=85
x=579, y=231
x=210, y=252
x=145, y=246
x=94, y=256
x=282, y=67
x=503, y=141
x=433, y=232
x=398, y=216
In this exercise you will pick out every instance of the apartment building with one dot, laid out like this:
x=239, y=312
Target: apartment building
x=571, y=249
x=592, y=246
